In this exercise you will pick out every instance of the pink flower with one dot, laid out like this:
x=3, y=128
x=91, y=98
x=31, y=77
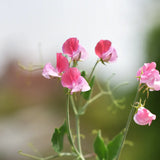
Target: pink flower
x=62, y=65
x=149, y=75
x=105, y=51
x=73, y=80
x=72, y=48
x=154, y=85
x=144, y=116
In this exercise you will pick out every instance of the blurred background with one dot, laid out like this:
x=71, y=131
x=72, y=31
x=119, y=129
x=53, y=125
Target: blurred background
x=33, y=31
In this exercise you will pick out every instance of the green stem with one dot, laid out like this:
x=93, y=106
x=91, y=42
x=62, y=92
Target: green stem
x=78, y=134
x=77, y=126
x=69, y=128
x=29, y=156
x=93, y=70
x=46, y=158
x=73, y=105
x=93, y=99
x=128, y=124
x=59, y=155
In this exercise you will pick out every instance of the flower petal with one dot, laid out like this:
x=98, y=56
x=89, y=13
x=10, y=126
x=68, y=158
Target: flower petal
x=114, y=55
x=102, y=47
x=62, y=63
x=70, y=77
x=144, y=116
x=149, y=75
x=49, y=70
x=80, y=54
x=81, y=85
x=70, y=45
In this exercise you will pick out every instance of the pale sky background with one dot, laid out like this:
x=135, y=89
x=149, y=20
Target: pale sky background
x=27, y=24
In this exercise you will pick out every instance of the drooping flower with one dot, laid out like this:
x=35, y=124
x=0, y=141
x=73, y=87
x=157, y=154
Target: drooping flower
x=73, y=80
x=149, y=75
x=73, y=49
x=105, y=51
x=144, y=116
x=62, y=65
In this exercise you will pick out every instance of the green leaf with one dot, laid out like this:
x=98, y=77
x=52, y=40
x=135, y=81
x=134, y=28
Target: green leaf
x=57, y=138
x=114, y=146
x=100, y=148
x=86, y=95
x=83, y=74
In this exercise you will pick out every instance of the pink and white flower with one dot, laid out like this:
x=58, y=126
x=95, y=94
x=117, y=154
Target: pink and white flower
x=62, y=65
x=144, y=116
x=105, y=51
x=149, y=75
x=73, y=49
x=73, y=80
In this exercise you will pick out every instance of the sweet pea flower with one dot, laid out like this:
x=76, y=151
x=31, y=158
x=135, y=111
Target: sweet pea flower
x=105, y=51
x=149, y=75
x=73, y=49
x=62, y=65
x=144, y=116
x=73, y=80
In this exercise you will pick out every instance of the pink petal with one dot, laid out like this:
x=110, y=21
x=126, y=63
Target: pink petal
x=155, y=86
x=62, y=63
x=144, y=116
x=148, y=74
x=149, y=66
x=81, y=85
x=114, y=55
x=102, y=47
x=49, y=70
x=80, y=54
x=70, y=46
x=70, y=77
x=110, y=55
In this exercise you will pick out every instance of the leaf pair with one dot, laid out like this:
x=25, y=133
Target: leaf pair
x=110, y=151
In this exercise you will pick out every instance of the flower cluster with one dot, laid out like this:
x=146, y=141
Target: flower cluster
x=149, y=75
x=70, y=76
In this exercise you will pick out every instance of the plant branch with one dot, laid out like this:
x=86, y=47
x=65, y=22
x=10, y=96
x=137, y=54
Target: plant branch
x=77, y=126
x=73, y=105
x=69, y=128
x=90, y=76
x=128, y=123
x=46, y=158
x=78, y=134
x=30, y=68
x=29, y=156
x=93, y=99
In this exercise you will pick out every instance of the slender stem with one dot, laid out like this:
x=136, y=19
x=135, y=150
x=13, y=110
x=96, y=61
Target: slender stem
x=93, y=70
x=51, y=157
x=90, y=155
x=119, y=85
x=77, y=126
x=69, y=128
x=93, y=99
x=78, y=134
x=128, y=124
x=46, y=158
x=30, y=156
x=59, y=155
x=73, y=105
x=30, y=68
